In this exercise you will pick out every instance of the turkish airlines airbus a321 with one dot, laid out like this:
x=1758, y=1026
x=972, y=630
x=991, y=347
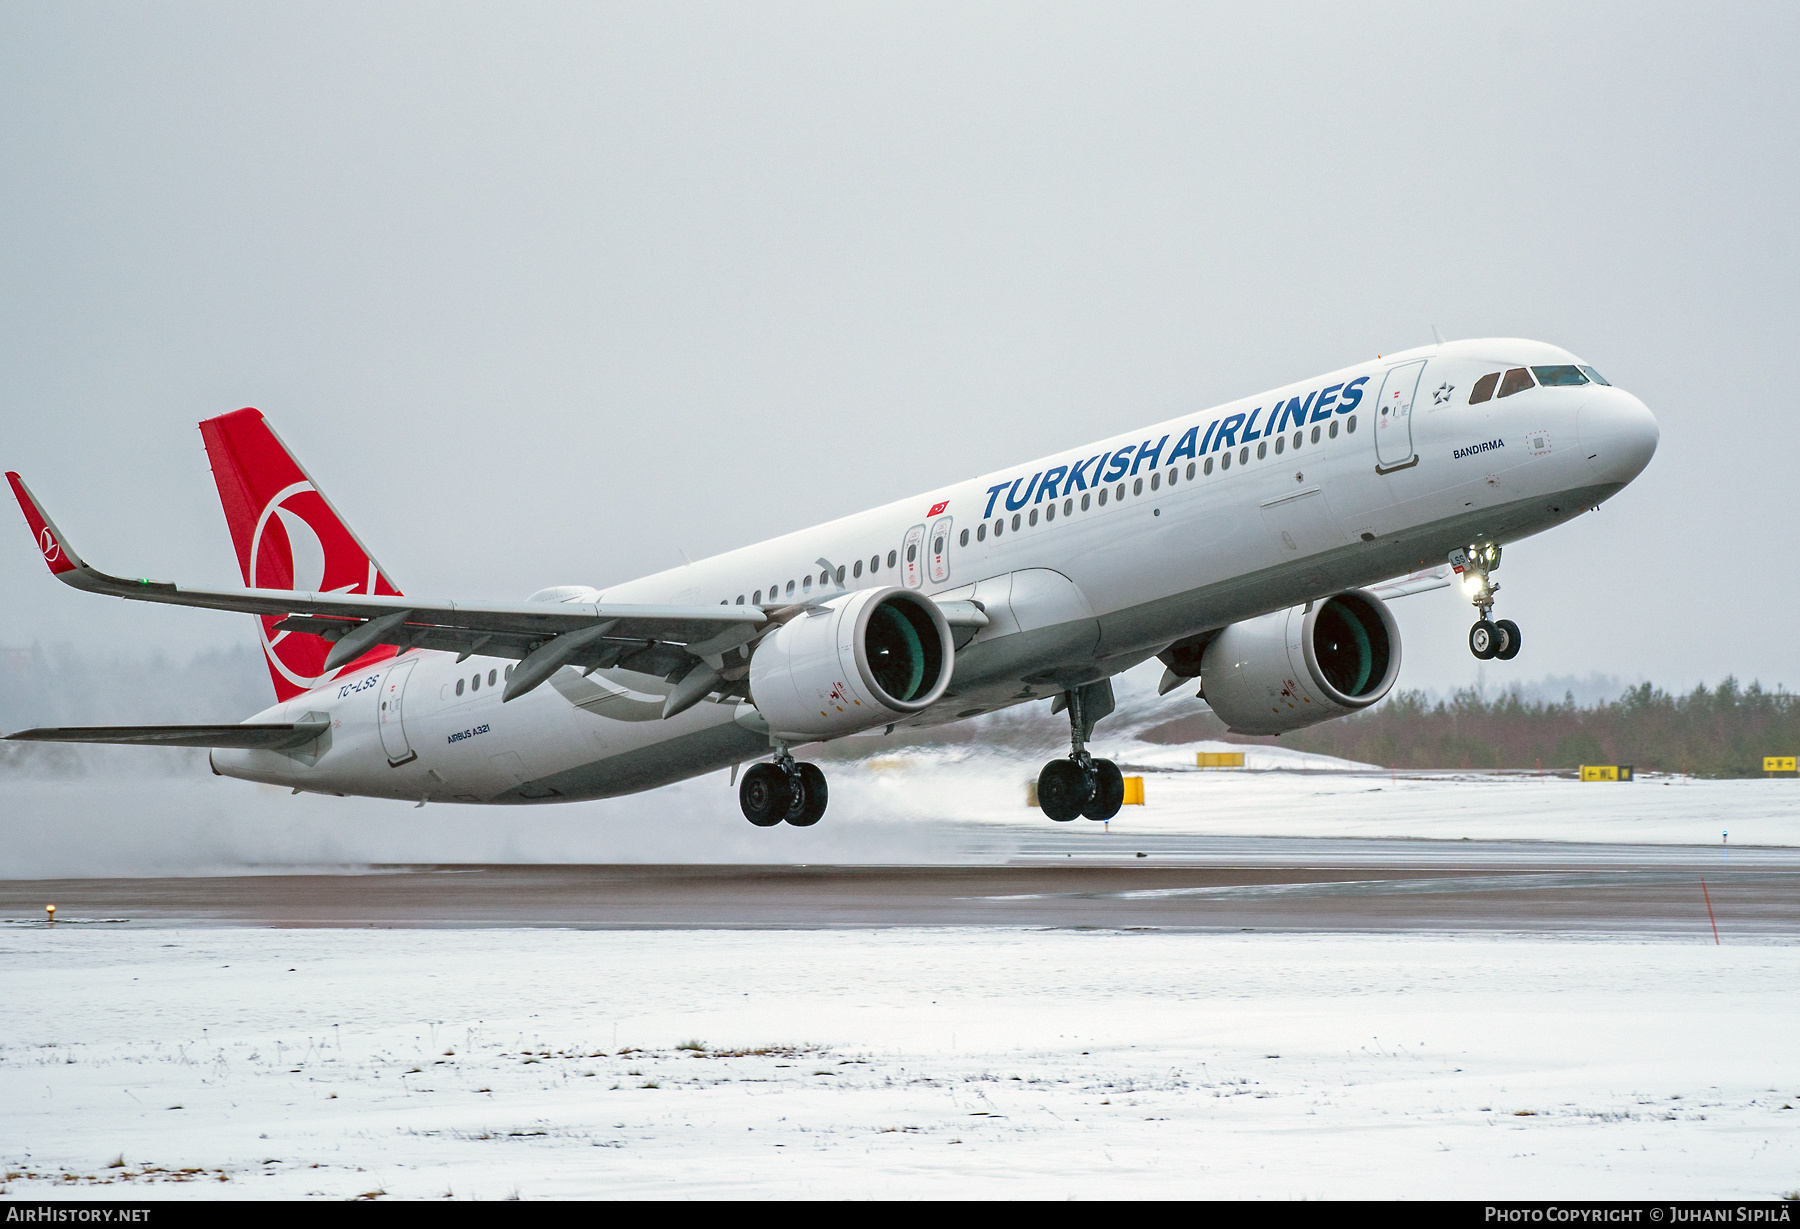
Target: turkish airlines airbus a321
x=1246, y=546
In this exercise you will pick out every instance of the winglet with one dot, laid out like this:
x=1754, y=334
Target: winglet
x=56, y=549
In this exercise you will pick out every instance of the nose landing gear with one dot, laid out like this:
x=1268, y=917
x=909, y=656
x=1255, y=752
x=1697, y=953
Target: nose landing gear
x=1488, y=638
x=783, y=790
x=1080, y=784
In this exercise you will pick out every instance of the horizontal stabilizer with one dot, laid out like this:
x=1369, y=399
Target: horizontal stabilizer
x=262, y=737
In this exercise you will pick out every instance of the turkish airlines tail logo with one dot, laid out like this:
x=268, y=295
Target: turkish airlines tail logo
x=288, y=536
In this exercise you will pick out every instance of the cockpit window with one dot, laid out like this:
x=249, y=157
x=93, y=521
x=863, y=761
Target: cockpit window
x=1559, y=376
x=1517, y=381
x=1484, y=388
x=1595, y=376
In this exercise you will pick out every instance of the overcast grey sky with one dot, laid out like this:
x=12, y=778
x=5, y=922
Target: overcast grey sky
x=544, y=294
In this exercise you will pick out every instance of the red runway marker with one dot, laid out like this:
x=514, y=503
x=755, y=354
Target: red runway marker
x=1709, y=912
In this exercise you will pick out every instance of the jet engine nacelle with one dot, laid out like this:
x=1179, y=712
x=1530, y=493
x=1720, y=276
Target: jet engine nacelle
x=1304, y=665
x=852, y=663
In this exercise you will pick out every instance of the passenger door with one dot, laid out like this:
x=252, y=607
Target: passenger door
x=391, y=714
x=1393, y=418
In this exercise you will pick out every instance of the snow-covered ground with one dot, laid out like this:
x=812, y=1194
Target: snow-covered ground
x=897, y=1063
x=910, y=806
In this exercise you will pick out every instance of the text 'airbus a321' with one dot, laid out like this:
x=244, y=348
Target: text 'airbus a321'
x=1250, y=546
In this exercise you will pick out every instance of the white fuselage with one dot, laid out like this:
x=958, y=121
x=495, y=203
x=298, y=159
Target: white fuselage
x=1075, y=589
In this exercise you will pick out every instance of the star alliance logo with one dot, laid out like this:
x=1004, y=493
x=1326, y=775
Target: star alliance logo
x=1442, y=395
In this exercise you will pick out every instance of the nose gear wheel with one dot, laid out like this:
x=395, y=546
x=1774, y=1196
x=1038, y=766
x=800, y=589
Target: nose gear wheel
x=1489, y=638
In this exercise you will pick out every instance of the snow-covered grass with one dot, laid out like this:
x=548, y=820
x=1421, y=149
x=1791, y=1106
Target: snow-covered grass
x=911, y=806
x=897, y=1063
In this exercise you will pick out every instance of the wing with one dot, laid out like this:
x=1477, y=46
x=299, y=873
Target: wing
x=542, y=636
x=263, y=737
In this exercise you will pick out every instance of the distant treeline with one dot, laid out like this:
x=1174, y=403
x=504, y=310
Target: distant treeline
x=1724, y=732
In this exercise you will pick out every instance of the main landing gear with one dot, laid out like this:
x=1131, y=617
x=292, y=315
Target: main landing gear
x=783, y=790
x=1080, y=784
x=1488, y=638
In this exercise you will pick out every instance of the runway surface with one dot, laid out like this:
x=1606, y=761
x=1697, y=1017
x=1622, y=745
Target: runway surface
x=1205, y=883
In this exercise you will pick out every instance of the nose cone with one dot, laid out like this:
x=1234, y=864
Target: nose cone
x=1618, y=435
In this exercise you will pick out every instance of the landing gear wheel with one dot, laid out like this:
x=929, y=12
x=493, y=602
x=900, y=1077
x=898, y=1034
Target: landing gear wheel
x=766, y=795
x=1062, y=790
x=1484, y=639
x=1509, y=635
x=1109, y=791
x=809, y=797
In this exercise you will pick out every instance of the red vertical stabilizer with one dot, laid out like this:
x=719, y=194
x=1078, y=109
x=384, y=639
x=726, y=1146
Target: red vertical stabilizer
x=288, y=536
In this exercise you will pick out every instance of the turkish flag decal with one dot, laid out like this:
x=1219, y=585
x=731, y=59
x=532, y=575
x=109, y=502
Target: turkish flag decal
x=937, y=508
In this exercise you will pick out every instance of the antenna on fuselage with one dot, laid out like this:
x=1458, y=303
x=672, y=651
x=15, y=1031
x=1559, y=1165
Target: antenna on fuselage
x=1439, y=336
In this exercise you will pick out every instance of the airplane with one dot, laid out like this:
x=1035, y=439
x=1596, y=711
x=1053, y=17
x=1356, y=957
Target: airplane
x=1252, y=547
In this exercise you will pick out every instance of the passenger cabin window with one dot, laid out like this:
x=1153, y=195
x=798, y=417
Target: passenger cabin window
x=874, y=565
x=790, y=588
x=1103, y=496
x=893, y=557
x=475, y=683
x=459, y=687
x=1084, y=503
x=1350, y=424
x=981, y=532
x=1332, y=432
x=1517, y=381
x=1068, y=507
x=1262, y=450
x=1190, y=471
x=740, y=600
x=857, y=570
x=1207, y=468
x=1034, y=516
x=490, y=678
x=962, y=540
x=1015, y=524
x=1559, y=376
x=1484, y=388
